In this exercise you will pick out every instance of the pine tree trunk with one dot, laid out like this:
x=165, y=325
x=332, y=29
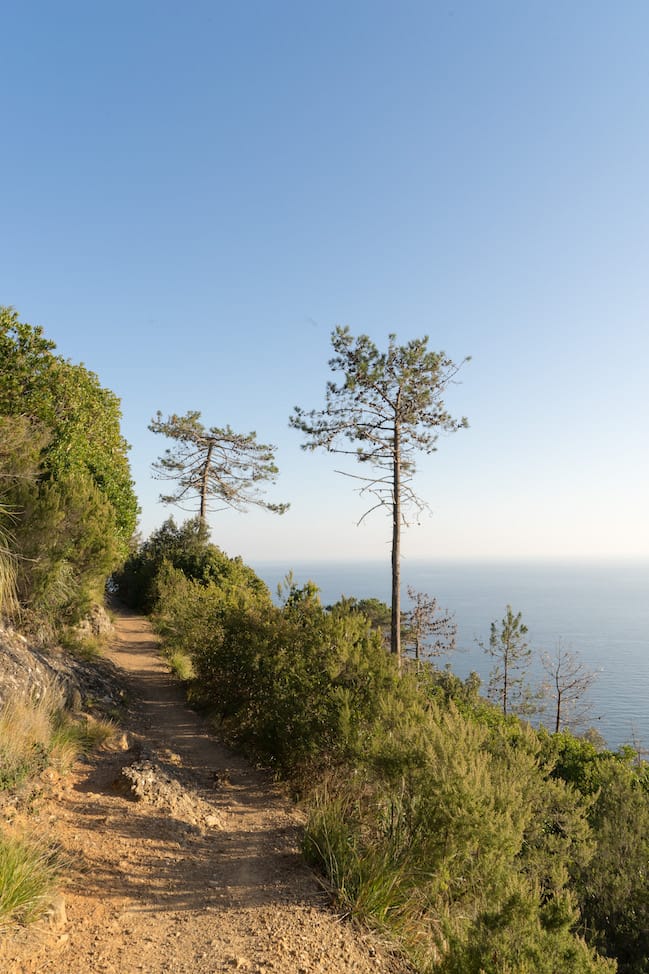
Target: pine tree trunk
x=395, y=631
x=205, y=484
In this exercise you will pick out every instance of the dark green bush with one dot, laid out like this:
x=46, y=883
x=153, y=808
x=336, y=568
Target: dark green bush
x=187, y=549
x=296, y=683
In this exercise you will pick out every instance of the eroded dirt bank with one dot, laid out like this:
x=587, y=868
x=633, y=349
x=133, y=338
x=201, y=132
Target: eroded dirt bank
x=199, y=874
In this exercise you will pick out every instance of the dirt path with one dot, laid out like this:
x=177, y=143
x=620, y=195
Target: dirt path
x=201, y=875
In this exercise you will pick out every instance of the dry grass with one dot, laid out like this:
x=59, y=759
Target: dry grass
x=36, y=730
x=8, y=602
x=181, y=665
x=72, y=737
x=26, y=730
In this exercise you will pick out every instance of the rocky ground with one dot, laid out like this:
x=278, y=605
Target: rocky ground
x=182, y=858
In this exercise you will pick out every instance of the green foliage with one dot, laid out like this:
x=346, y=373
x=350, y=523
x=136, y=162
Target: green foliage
x=186, y=549
x=84, y=647
x=573, y=759
x=80, y=418
x=64, y=475
x=181, y=665
x=444, y=686
x=524, y=936
x=379, y=390
x=66, y=545
x=478, y=843
x=294, y=684
x=508, y=647
x=467, y=828
x=85, y=422
x=26, y=360
x=21, y=441
x=614, y=887
x=376, y=611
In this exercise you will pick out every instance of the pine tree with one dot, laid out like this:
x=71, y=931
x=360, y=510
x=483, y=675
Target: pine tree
x=213, y=463
x=508, y=647
x=389, y=404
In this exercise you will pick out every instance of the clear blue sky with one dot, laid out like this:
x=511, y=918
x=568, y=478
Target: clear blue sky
x=194, y=195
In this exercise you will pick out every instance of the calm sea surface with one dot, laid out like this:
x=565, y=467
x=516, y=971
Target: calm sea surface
x=599, y=610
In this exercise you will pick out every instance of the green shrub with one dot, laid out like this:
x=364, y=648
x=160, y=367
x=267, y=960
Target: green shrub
x=181, y=666
x=613, y=888
x=64, y=475
x=439, y=828
x=187, y=550
x=295, y=684
x=524, y=936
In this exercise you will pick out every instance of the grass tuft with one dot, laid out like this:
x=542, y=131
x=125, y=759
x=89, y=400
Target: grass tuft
x=36, y=731
x=88, y=648
x=26, y=725
x=181, y=665
x=29, y=873
x=72, y=737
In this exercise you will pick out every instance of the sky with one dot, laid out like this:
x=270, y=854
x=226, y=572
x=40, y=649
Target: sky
x=193, y=196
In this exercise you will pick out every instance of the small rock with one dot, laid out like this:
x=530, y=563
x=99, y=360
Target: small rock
x=56, y=915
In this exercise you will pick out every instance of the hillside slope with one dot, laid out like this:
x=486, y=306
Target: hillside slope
x=184, y=859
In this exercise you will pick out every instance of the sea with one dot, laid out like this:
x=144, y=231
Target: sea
x=598, y=610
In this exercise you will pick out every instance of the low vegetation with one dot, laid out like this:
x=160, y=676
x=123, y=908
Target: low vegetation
x=37, y=731
x=479, y=844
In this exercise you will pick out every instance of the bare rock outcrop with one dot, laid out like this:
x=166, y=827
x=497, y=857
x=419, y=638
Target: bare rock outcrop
x=27, y=669
x=149, y=781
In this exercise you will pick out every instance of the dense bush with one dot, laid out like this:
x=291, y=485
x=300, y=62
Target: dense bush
x=67, y=506
x=444, y=829
x=613, y=886
x=313, y=683
x=186, y=549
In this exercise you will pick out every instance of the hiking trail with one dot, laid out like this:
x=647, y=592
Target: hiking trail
x=183, y=858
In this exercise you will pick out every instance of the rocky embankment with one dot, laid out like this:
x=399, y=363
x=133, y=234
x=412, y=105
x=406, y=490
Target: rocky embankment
x=29, y=669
